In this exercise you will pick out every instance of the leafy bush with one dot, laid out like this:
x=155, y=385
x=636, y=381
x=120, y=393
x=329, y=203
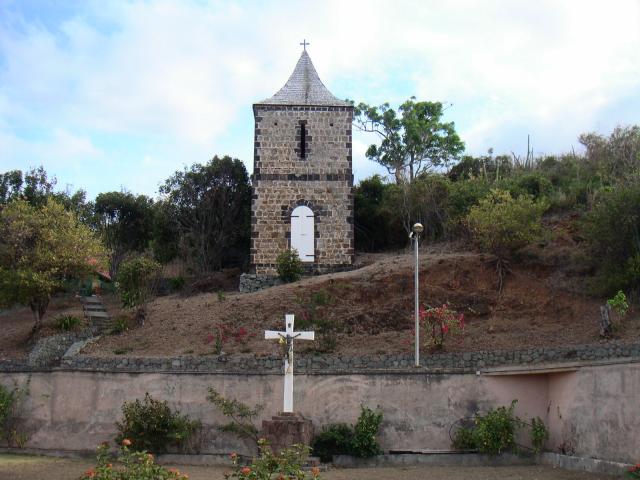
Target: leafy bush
x=464, y=439
x=501, y=224
x=10, y=422
x=359, y=440
x=365, y=432
x=334, y=439
x=539, y=434
x=612, y=230
x=152, y=426
x=176, y=284
x=7, y=400
x=242, y=416
x=534, y=184
x=119, y=324
x=67, y=322
x=133, y=465
x=289, y=265
x=136, y=283
x=462, y=197
x=619, y=303
x=286, y=464
x=494, y=432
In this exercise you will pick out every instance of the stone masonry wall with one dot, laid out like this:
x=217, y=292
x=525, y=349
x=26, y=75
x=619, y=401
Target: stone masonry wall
x=467, y=362
x=322, y=180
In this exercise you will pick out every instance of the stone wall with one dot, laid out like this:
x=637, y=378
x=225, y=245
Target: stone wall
x=282, y=180
x=467, y=362
x=75, y=410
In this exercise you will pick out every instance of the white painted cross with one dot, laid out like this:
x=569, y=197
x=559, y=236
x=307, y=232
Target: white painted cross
x=288, y=335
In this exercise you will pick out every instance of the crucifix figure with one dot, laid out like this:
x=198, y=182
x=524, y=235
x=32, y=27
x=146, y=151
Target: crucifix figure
x=287, y=336
x=304, y=44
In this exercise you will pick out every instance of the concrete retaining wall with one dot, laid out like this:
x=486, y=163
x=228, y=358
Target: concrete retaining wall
x=594, y=409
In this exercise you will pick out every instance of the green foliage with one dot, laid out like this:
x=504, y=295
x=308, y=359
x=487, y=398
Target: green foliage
x=464, y=439
x=136, y=283
x=211, y=207
x=176, y=284
x=286, y=464
x=313, y=316
x=11, y=401
x=359, y=440
x=533, y=184
x=462, y=197
x=334, y=439
x=539, y=434
x=370, y=220
x=119, y=324
x=221, y=296
x=501, y=224
x=612, y=231
x=134, y=465
x=152, y=426
x=125, y=222
x=289, y=265
x=7, y=400
x=494, y=432
x=619, y=303
x=365, y=443
x=634, y=472
x=617, y=158
x=242, y=416
x=40, y=248
x=415, y=141
x=67, y=322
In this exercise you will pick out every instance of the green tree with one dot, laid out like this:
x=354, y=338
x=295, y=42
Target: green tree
x=501, y=224
x=414, y=140
x=40, y=247
x=137, y=282
x=212, y=205
x=125, y=222
x=616, y=158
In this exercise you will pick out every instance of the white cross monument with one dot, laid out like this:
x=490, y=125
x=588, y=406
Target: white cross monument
x=288, y=335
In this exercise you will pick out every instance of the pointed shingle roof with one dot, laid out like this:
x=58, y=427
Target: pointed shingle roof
x=304, y=87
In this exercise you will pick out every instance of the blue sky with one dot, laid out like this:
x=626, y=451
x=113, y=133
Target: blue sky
x=113, y=94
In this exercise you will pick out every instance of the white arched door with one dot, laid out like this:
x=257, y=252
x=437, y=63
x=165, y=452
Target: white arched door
x=302, y=232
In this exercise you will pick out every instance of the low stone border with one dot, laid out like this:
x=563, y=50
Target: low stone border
x=467, y=362
x=592, y=465
x=441, y=459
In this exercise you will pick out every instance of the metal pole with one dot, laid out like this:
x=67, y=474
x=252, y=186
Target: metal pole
x=417, y=305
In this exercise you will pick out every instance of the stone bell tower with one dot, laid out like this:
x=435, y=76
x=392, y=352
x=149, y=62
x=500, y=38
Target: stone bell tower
x=302, y=176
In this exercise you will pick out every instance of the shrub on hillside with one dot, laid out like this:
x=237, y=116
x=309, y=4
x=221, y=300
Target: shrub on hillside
x=464, y=195
x=501, y=224
x=612, y=230
x=67, y=322
x=150, y=425
x=289, y=265
x=136, y=283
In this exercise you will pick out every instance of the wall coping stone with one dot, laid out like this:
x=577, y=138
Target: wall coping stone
x=309, y=364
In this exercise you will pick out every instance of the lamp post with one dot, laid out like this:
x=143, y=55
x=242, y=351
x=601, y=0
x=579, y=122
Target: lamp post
x=415, y=236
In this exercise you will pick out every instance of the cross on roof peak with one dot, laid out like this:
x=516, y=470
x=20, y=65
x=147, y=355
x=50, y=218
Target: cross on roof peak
x=304, y=44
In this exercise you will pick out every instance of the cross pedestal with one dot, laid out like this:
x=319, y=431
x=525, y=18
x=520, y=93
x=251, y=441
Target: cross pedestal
x=287, y=428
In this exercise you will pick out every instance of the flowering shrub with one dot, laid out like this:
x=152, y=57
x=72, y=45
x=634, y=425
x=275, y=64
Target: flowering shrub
x=440, y=322
x=285, y=465
x=132, y=466
x=634, y=472
x=225, y=331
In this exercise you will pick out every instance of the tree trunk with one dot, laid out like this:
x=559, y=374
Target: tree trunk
x=38, y=309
